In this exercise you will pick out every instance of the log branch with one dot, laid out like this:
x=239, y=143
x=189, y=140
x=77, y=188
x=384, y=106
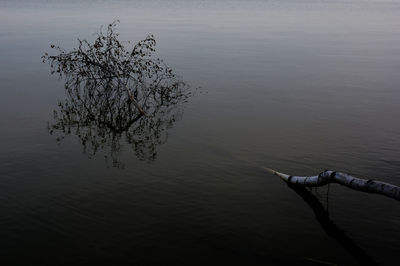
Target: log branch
x=327, y=177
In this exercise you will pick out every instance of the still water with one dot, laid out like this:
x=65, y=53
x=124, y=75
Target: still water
x=298, y=86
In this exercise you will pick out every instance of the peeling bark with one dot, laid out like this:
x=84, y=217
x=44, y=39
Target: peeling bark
x=349, y=181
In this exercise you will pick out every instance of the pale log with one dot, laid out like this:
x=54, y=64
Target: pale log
x=327, y=177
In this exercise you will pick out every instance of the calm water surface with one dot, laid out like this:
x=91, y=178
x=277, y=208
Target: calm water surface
x=298, y=86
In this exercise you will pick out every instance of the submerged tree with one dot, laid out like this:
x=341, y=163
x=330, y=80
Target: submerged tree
x=116, y=94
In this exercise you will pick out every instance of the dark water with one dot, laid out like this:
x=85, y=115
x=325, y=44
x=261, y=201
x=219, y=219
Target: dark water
x=298, y=86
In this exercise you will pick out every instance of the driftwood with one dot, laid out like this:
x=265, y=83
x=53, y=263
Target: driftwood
x=352, y=182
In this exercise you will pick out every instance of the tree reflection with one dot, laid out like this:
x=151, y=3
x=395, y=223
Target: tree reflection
x=116, y=95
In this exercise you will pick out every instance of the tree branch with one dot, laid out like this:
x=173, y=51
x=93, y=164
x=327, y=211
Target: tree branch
x=326, y=177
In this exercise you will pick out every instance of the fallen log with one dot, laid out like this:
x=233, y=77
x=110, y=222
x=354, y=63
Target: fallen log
x=327, y=177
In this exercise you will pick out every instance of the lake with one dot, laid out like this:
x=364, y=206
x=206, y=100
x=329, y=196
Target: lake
x=297, y=86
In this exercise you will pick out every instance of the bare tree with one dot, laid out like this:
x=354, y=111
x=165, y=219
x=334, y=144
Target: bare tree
x=115, y=93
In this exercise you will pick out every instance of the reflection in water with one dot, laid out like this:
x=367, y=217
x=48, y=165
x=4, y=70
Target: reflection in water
x=116, y=96
x=331, y=228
